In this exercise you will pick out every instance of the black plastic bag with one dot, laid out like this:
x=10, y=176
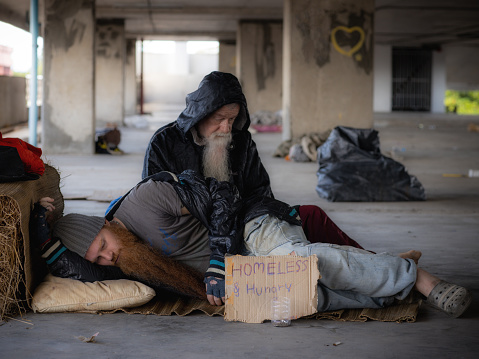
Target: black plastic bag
x=352, y=169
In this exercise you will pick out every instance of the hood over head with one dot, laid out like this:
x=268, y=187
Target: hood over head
x=214, y=91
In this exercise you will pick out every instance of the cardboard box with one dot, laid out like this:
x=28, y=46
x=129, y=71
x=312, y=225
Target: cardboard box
x=253, y=282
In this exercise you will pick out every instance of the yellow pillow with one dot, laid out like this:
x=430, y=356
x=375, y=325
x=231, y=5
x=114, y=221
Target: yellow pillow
x=56, y=295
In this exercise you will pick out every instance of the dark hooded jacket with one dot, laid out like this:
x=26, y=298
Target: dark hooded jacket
x=172, y=148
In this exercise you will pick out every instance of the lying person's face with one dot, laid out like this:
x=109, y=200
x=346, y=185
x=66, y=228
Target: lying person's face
x=220, y=121
x=105, y=249
x=117, y=246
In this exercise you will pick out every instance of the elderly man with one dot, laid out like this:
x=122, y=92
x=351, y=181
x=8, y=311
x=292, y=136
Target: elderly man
x=158, y=210
x=211, y=137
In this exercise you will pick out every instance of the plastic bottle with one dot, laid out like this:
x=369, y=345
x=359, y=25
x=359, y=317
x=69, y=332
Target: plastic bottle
x=281, y=312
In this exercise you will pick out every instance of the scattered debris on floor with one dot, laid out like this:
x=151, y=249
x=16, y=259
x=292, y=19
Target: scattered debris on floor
x=267, y=121
x=472, y=127
x=470, y=174
x=91, y=339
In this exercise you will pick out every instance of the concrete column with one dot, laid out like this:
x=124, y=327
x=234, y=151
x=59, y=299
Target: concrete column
x=328, y=71
x=227, y=57
x=68, y=103
x=382, y=78
x=130, y=78
x=438, y=83
x=259, y=64
x=109, y=72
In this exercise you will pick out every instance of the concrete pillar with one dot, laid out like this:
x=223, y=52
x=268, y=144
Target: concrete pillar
x=438, y=83
x=259, y=64
x=382, y=78
x=109, y=72
x=227, y=57
x=328, y=65
x=68, y=103
x=130, y=78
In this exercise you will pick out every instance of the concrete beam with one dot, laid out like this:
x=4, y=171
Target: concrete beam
x=163, y=12
x=13, y=17
x=182, y=35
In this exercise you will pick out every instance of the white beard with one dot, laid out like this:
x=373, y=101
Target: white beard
x=215, y=157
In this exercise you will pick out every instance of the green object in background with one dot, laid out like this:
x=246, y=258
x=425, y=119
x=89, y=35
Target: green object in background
x=462, y=102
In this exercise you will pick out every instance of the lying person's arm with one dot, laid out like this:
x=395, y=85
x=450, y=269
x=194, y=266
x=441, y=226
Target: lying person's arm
x=217, y=205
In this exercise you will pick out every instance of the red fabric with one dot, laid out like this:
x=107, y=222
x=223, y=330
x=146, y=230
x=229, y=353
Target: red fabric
x=30, y=155
x=318, y=227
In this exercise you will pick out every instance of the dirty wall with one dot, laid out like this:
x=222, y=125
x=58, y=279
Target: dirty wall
x=13, y=107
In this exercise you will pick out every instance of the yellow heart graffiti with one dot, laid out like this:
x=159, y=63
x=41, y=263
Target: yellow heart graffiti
x=349, y=30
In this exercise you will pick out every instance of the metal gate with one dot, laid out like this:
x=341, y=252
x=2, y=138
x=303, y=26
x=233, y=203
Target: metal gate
x=411, y=79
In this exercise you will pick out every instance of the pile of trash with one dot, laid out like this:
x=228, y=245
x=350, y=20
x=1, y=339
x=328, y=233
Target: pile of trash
x=352, y=169
x=302, y=149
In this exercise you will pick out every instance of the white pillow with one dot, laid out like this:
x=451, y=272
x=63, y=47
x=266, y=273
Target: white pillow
x=56, y=295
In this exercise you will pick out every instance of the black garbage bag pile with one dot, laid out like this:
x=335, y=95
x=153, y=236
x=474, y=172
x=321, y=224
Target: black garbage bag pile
x=352, y=169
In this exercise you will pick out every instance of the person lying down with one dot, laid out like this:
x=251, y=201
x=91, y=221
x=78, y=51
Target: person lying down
x=173, y=231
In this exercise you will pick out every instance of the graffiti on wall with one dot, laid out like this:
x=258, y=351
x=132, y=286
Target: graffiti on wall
x=345, y=30
x=108, y=37
x=64, y=28
x=353, y=45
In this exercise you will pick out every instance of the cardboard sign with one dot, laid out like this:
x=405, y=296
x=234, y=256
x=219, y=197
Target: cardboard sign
x=253, y=282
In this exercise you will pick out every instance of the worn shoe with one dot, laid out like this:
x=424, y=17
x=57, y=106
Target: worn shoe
x=115, y=151
x=101, y=147
x=451, y=298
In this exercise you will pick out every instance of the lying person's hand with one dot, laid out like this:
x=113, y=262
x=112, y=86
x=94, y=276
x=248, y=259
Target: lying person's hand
x=39, y=230
x=47, y=203
x=215, y=290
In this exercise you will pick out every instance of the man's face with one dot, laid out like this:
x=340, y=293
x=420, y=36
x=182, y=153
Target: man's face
x=115, y=245
x=105, y=249
x=220, y=121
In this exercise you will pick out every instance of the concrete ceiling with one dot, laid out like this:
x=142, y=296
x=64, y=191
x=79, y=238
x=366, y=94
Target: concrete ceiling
x=397, y=22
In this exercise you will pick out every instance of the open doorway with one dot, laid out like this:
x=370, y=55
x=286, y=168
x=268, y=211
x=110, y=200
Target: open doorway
x=171, y=69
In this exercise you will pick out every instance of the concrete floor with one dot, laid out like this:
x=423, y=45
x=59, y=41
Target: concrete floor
x=445, y=228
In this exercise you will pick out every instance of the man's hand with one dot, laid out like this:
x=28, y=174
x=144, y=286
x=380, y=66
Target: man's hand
x=215, y=290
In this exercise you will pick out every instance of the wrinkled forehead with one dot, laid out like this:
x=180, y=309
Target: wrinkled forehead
x=231, y=109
